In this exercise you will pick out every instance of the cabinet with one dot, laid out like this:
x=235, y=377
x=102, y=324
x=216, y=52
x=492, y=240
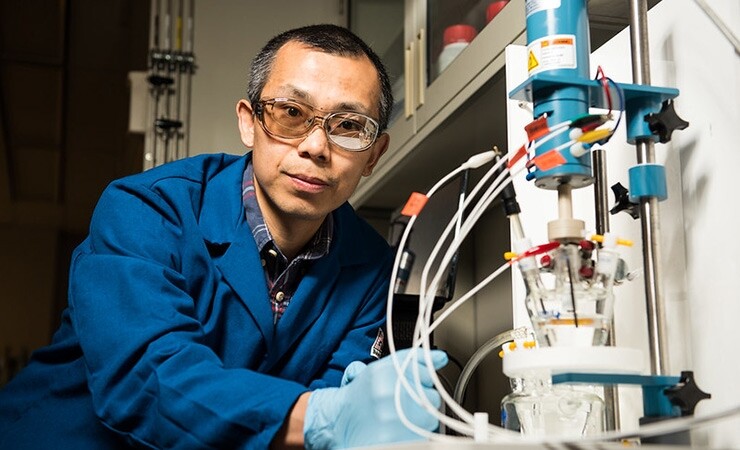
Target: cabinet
x=443, y=117
x=428, y=98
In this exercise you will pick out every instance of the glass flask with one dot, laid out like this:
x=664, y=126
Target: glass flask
x=536, y=407
x=569, y=294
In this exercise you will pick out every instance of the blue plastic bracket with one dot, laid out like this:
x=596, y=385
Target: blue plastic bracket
x=640, y=100
x=654, y=402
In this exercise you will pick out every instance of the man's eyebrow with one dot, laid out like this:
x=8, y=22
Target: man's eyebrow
x=299, y=94
x=352, y=107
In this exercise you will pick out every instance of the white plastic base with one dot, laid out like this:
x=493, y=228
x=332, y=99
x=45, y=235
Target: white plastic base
x=555, y=360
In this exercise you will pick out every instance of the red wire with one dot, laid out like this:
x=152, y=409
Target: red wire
x=605, y=84
x=538, y=249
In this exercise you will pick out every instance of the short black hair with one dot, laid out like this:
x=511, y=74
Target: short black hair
x=328, y=38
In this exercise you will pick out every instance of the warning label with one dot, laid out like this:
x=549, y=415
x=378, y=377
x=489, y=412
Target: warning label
x=552, y=52
x=532, y=63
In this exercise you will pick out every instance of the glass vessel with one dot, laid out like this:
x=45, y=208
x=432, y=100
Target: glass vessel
x=569, y=294
x=536, y=407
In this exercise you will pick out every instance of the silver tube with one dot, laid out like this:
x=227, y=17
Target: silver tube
x=179, y=62
x=655, y=301
x=649, y=214
x=190, y=26
x=601, y=193
x=639, y=42
x=167, y=34
x=154, y=25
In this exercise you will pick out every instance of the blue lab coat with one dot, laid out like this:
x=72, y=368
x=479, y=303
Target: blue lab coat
x=169, y=341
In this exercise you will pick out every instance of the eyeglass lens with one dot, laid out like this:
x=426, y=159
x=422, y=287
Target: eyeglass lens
x=290, y=119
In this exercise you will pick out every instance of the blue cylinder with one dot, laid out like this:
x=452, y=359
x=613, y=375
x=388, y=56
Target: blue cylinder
x=648, y=180
x=558, y=44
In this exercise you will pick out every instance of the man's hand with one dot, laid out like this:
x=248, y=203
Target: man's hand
x=362, y=411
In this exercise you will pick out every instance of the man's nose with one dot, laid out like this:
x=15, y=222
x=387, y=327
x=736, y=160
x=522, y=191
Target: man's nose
x=316, y=143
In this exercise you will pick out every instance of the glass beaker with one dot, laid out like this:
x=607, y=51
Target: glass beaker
x=536, y=407
x=569, y=297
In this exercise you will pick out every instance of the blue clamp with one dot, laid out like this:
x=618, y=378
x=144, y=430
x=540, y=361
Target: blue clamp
x=654, y=401
x=662, y=395
x=647, y=180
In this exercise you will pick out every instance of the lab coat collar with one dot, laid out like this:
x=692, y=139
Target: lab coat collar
x=226, y=230
x=223, y=223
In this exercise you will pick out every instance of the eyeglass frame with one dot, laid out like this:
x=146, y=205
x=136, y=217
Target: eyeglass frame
x=259, y=111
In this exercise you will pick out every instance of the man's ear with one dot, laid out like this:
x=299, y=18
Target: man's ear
x=378, y=148
x=246, y=121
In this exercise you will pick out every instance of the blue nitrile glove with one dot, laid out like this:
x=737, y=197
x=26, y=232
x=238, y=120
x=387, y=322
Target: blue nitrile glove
x=363, y=412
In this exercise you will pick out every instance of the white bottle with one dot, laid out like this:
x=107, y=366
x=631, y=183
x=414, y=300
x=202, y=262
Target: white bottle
x=455, y=39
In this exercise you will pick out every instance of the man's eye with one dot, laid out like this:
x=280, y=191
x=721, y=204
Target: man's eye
x=349, y=125
x=293, y=111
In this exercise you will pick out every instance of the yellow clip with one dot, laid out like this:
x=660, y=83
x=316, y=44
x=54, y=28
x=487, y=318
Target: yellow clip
x=510, y=256
x=594, y=135
x=530, y=344
x=600, y=239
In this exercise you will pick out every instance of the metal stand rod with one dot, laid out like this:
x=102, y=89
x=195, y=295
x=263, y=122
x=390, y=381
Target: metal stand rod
x=190, y=64
x=649, y=213
x=601, y=190
x=601, y=203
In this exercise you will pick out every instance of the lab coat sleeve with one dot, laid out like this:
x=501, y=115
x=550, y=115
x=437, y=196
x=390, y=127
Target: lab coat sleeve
x=151, y=376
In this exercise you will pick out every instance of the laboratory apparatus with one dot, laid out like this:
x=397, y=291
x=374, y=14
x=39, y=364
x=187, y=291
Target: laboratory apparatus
x=559, y=373
x=171, y=68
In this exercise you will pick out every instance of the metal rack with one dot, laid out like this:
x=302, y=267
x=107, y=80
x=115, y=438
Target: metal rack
x=171, y=68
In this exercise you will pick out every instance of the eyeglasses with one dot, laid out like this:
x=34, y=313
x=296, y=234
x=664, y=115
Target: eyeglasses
x=290, y=119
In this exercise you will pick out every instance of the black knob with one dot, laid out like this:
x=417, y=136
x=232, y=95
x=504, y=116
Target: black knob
x=665, y=122
x=158, y=81
x=686, y=394
x=623, y=203
x=167, y=124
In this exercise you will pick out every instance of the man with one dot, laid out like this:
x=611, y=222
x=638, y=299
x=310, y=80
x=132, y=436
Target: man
x=220, y=302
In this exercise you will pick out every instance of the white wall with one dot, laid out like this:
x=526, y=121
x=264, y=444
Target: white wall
x=698, y=220
x=228, y=33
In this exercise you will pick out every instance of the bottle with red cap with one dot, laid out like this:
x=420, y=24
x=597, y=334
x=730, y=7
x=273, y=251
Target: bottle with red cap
x=455, y=39
x=494, y=8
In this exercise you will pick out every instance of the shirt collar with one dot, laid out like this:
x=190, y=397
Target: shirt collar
x=316, y=248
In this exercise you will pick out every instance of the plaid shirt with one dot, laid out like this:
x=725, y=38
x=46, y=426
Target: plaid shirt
x=282, y=276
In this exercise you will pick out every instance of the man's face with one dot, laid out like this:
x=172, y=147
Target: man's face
x=301, y=180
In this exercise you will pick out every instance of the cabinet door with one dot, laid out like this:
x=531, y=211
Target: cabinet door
x=463, y=38
x=384, y=25
x=452, y=26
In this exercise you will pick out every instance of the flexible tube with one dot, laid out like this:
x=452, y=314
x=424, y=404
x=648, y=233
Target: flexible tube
x=491, y=345
x=423, y=330
x=473, y=162
x=424, y=333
